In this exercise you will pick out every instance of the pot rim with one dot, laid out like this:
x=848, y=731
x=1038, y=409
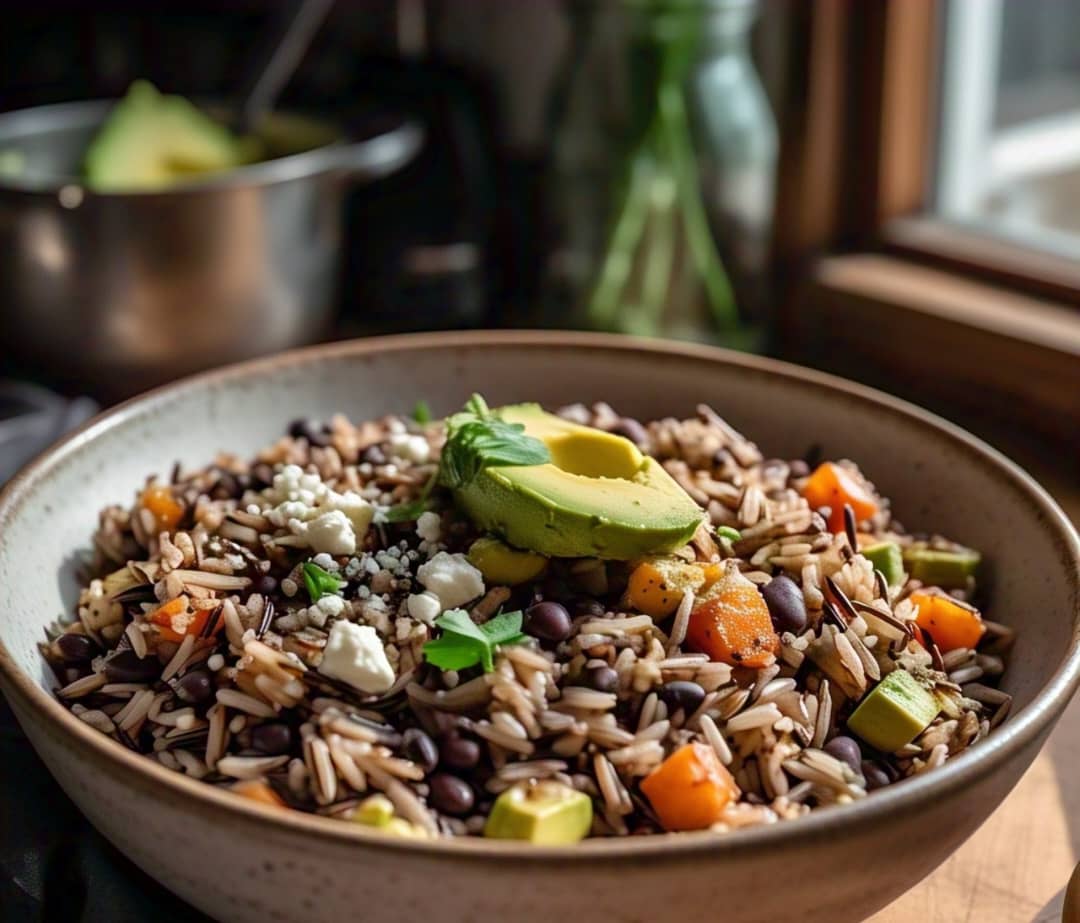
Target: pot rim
x=918, y=793
x=380, y=154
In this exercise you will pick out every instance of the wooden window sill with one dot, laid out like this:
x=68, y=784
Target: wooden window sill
x=941, y=339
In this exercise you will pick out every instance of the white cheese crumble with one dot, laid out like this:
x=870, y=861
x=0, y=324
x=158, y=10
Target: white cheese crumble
x=425, y=607
x=410, y=448
x=451, y=578
x=355, y=655
x=318, y=517
x=429, y=526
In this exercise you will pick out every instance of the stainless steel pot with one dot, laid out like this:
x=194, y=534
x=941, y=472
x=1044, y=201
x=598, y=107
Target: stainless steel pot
x=119, y=291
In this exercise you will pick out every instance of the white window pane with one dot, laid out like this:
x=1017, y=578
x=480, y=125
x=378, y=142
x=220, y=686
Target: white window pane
x=1009, y=139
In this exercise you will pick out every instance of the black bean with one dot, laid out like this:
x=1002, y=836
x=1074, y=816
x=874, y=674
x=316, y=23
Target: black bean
x=420, y=749
x=264, y=585
x=875, y=775
x=459, y=752
x=196, y=686
x=272, y=739
x=373, y=455
x=451, y=795
x=262, y=475
x=787, y=608
x=126, y=667
x=845, y=749
x=632, y=430
x=682, y=694
x=548, y=620
x=77, y=648
x=602, y=678
x=311, y=430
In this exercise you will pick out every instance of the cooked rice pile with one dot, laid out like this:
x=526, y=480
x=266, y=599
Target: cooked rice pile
x=242, y=703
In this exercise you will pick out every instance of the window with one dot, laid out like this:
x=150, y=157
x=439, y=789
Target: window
x=1008, y=153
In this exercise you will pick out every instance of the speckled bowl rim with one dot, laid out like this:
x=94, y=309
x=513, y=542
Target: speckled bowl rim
x=918, y=793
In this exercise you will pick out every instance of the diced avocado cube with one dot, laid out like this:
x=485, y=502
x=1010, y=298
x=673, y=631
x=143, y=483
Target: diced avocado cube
x=894, y=712
x=886, y=557
x=546, y=813
x=376, y=811
x=505, y=566
x=946, y=569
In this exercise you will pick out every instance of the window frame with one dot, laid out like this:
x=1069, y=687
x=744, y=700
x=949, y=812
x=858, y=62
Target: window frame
x=859, y=126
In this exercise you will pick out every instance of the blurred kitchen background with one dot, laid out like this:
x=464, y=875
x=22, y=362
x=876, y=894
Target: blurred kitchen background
x=679, y=168
x=888, y=189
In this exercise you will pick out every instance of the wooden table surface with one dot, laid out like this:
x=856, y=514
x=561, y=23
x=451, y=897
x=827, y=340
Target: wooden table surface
x=1015, y=868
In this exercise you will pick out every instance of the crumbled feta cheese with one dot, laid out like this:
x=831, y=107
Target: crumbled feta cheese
x=355, y=655
x=452, y=579
x=429, y=526
x=326, y=562
x=410, y=448
x=330, y=532
x=425, y=607
x=320, y=517
x=331, y=605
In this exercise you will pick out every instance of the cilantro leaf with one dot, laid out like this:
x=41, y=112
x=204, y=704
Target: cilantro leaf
x=320, y=583
x=421, y=412
x=464, y=643
x=477, y=439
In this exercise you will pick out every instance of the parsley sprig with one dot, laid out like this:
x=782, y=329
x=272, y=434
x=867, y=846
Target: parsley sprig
x=475, y=439
x=463, y=643
x=320, y=583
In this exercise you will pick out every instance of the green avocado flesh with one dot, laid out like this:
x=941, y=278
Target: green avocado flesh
x=548, y=814
x=885, y=556
x=151, y=141
x=599, y=496
x=894, y=712
x=946, y=569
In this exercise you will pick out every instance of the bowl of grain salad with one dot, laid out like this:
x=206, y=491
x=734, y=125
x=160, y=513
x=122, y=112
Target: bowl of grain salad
x=494, y=624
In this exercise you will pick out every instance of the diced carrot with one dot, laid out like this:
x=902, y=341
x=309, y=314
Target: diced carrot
x=832, y=485
x=657, y=584
x=257, y=790
x=178, y=617
x=732, y=624
x=949, y=623
x=690, y=789
x=166, y=509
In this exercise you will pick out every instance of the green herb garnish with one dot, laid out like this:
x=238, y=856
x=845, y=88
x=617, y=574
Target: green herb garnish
x=320, y=583
x=732, y=535
x=475, y=439
x=463, y=643
x=421, y=412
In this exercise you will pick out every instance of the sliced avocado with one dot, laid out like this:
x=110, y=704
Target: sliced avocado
x=598, y=497
x=546, y=813
x=150, y=141
x=505, y=566
x=886, y=557
x=946, y=569
x=894, y=712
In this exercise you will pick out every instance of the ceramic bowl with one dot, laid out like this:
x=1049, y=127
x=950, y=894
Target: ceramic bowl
x=238, y=860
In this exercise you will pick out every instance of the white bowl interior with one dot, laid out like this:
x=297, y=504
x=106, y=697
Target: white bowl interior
x=935, y=481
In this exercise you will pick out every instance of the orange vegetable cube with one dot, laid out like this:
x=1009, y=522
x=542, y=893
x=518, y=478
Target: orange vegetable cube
x=657, y=584
x=178, y=617
x=832, y=485
x=257, y=790
x=690, y=789
x=732, y=624
x=166, y=509
x=950, y=623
